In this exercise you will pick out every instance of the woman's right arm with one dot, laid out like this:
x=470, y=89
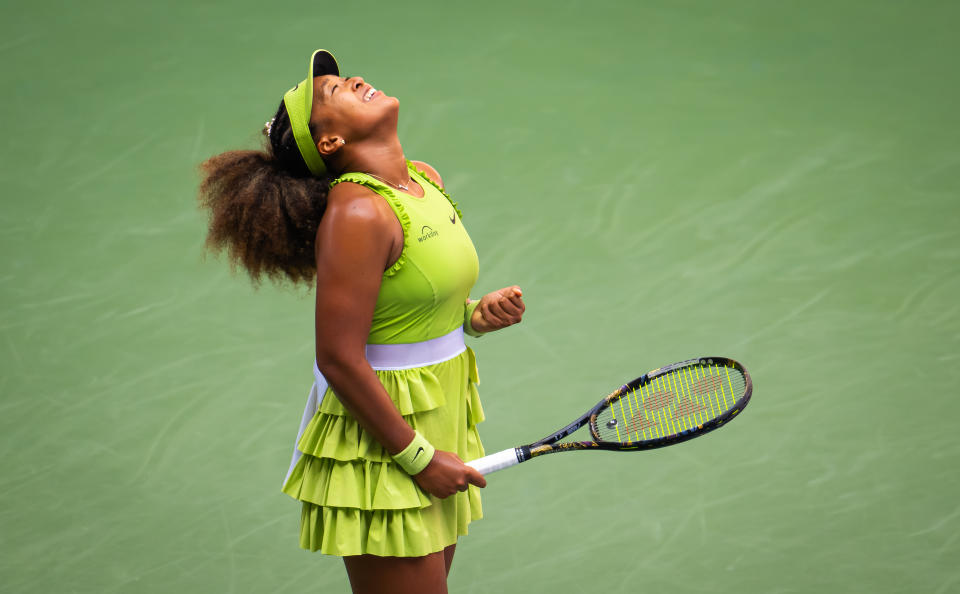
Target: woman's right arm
x=358, y=237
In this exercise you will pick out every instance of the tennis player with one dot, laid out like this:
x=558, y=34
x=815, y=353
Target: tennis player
x=378, y=465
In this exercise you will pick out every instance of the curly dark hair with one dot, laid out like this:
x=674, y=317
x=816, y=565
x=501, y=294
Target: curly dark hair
x=265, y=206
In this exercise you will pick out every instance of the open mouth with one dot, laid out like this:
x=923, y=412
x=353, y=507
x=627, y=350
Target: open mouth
x=370, y=94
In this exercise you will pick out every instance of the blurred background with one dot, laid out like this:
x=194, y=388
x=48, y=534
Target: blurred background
x=775, y=182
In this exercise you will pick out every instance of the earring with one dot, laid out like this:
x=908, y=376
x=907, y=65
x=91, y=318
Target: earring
x=342, y=141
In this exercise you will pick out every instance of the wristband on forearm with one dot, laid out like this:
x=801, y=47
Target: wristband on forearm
x=416, y=455
x=467, y=314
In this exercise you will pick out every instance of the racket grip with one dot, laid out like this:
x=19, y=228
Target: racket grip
x=497, y=461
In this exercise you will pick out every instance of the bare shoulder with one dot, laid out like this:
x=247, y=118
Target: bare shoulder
x=430, y=171
x=354, y=204
x=358, y=232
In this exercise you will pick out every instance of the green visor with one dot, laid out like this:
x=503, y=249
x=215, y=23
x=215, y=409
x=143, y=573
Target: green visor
x=299, y=104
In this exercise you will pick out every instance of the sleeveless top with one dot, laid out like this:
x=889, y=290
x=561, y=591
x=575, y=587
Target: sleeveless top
x=423, y=295
x=354, y=498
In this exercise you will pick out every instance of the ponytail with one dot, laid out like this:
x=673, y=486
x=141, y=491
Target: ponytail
x=264, y=207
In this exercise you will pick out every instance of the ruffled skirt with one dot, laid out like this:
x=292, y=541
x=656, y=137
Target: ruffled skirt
x=356, y=500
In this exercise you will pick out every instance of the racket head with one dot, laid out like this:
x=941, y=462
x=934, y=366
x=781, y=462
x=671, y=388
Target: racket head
x=672, y=404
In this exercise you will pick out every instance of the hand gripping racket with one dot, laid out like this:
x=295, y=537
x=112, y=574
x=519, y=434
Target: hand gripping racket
x=666, y=406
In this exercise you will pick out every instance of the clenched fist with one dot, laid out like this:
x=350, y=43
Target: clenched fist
x=498, y=310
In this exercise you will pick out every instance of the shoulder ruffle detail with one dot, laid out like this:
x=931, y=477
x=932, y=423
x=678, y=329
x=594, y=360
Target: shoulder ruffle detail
x=426, y=178
x=394, y=202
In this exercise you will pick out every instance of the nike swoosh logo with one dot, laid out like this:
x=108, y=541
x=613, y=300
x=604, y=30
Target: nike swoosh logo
x=417, y=454
x=453, y=218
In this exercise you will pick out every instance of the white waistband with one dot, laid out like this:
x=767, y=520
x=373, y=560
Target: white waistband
x=382, y=357
x=415, y=354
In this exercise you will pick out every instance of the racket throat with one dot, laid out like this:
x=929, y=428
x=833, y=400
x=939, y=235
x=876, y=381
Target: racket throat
x=523, y=454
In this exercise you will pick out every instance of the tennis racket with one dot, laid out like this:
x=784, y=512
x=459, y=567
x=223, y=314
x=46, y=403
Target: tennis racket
x=666, y=406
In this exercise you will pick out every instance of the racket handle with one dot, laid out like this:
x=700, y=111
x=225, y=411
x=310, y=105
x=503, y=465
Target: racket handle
x=498, y=461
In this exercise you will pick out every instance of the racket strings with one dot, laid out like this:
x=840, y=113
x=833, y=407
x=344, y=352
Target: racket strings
x=680, y=400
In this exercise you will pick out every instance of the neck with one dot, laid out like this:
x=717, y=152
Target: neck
x=383, y=158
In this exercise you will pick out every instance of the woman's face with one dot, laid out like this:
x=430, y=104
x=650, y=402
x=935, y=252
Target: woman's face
x=351, y=108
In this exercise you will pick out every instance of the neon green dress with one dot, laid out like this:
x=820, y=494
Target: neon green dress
x=355, y=499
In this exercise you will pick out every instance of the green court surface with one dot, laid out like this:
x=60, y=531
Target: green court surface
x=777, y=182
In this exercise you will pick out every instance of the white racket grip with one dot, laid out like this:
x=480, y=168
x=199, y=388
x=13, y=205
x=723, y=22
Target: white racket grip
x=495, y=462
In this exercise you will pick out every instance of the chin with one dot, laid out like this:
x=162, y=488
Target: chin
x=390, y=104
x=389, y=112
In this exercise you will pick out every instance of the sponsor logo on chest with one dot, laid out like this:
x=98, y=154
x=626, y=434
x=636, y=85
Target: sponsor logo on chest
x=427, y=232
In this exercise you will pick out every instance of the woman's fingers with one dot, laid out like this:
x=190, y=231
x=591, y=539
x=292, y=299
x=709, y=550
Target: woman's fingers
x=513, y=300
x=475, y=478
x=516, y=298
x=508, y=306
x=500, y=318
x=511, y=309
x=496, y=310
x=500, y=309
x=446, y=474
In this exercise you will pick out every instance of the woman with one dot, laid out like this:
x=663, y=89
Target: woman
x=379, y=462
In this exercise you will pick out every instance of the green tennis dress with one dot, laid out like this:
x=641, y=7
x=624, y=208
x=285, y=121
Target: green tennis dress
x=355, y=499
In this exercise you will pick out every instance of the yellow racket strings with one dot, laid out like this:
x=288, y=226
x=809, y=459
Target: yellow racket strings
x=680, y=400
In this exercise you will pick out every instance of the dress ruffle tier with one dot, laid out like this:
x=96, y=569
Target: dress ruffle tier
x=356, y=500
